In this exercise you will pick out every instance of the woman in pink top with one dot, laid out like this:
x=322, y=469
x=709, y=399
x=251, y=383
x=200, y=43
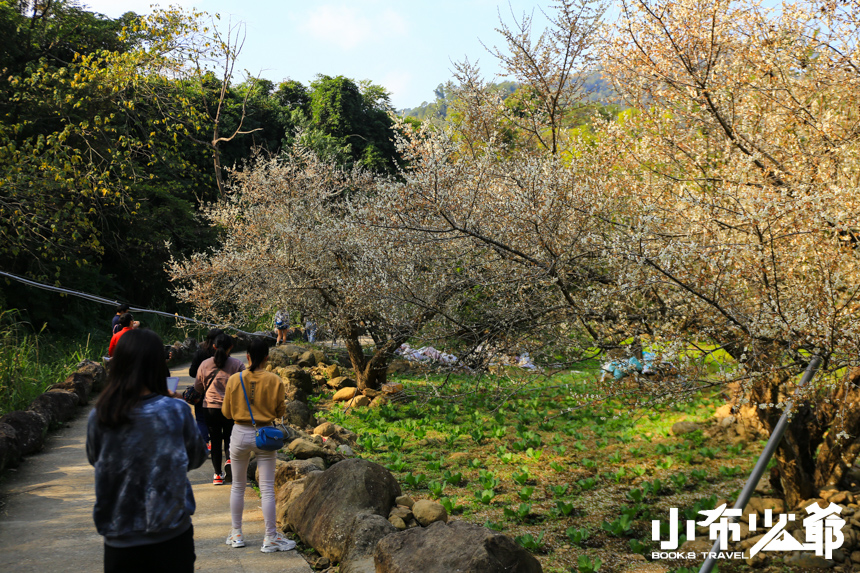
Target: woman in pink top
x=211, y=381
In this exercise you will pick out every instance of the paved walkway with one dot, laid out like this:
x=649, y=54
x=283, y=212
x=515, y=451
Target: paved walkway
x=46, y=514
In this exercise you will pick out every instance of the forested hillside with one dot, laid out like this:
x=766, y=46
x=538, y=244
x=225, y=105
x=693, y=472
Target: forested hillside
x=112, y=140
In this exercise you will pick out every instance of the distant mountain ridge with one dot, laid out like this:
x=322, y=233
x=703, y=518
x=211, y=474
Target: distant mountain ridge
x=600, y=91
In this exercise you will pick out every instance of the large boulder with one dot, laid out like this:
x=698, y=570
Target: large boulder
x=30, y=428
x=10, y=447
x=56, y=406
x=293, y=349
x=344, y=395
x=298, y=414
x=296, y=394
x=341, y=382
x=293, y=470
x=366, y=531
x=334, y=513
x=456, y=546
x=79, y=382
x=285, y=496
x=307, y=359
x=304, y=449
x=298, y=377
x=96, y=370
x=319, y=356
x=281, y=356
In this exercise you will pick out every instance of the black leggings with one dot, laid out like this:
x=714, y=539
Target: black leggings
x=220, y=429
x=172, y=556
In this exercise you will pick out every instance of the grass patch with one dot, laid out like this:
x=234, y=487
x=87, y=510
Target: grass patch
x=31, y=360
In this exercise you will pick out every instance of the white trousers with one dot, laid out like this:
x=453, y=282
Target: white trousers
x=242, y=443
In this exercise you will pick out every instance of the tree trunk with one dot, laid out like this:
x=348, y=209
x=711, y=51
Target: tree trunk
x=356, y=354
x=840, y=413
x=219, y=174
x=812, y=454
x=376, y=371
x=370, y=372
x=794, y=463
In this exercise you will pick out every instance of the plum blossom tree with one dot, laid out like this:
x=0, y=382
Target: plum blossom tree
x=739, y=158
x=537, y=226
x=302, y=233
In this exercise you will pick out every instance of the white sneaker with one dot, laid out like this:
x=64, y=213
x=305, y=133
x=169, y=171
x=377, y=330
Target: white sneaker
x=236, y=538
x=277, y=543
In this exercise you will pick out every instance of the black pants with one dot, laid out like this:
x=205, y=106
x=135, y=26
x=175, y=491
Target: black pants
x=220, y=429
x=172, y=556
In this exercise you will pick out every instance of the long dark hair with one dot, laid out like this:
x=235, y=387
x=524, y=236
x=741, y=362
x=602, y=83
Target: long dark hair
x=137, y=364
x=211, y=337
x=223, y=344
x=258, y=350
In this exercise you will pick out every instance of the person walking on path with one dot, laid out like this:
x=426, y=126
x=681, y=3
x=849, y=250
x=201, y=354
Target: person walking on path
x=142, y=443
x=310, y=331
x=265, y=394
x=212, y=376
x=206, y=350
x=126, y=323
x=114, y=324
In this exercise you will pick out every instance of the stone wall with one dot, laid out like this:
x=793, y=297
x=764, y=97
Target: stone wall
x=23, y=432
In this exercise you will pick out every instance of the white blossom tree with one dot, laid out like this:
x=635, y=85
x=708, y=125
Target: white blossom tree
x=537, y=227
x=739, y=158
x=303, y=234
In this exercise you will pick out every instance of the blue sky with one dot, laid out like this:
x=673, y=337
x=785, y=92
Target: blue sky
x=406, y=46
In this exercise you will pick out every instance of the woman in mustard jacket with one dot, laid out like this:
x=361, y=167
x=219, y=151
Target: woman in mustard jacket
x=266, y=394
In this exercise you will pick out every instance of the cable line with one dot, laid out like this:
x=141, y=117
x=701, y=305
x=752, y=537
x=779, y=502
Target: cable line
x=102, y=300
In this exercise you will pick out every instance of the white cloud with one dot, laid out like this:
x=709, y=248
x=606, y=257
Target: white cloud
x=401, y=85
x=349, y=27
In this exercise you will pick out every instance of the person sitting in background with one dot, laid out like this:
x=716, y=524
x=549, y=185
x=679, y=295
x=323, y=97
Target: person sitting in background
x=126, y=323
x=141, y=444
x=114, y=325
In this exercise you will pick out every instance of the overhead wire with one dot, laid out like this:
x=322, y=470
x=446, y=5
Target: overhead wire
x=102, y=300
